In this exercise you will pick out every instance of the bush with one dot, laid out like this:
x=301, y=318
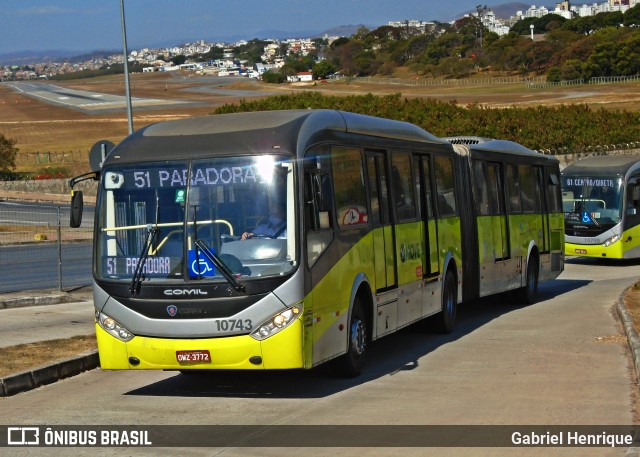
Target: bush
x=572, y=127
x=8, y=153
x=273, y=77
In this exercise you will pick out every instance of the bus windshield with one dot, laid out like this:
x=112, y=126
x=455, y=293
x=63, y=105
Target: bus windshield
x=592, y=201
x=176, y=220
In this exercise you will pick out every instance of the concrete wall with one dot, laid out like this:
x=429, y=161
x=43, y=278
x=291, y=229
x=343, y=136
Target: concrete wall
x=48, y=186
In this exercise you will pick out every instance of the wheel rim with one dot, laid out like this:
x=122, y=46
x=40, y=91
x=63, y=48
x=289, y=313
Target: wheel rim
x=358, y=337
x=449, y=301
x=531, y=283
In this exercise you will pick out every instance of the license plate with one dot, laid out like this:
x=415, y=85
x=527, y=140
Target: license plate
x=581, y=251
x=193, y=356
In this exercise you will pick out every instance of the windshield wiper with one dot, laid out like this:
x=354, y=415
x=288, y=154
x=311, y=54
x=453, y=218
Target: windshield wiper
x=219, y=264
x=136, y=281
x=154, y=231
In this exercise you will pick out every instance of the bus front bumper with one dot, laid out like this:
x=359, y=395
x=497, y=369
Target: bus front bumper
x=614, y=251
x=281, y=351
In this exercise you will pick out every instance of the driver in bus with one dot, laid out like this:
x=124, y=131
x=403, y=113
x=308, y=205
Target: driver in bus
x=275, y=226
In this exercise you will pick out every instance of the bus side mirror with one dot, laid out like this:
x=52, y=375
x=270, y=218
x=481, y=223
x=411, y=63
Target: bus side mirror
x=77, y=204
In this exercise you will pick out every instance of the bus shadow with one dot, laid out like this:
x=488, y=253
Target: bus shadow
x=603, y=262
x=388, y=356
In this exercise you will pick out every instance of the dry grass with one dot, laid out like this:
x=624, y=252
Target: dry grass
x=24, y=357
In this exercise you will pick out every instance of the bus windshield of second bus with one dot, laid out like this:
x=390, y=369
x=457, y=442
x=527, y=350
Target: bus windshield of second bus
x=593, y=204
x=182, y=220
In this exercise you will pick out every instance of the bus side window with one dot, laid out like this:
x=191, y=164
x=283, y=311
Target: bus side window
x=554, y=198
x=513, y=189
x=445, y=188
x=404, y=186
x=525, y=178
x=480, y=181
x=348, y=185
x=633, y=197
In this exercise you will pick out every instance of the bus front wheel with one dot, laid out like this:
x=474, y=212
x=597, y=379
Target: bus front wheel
x=351, y=364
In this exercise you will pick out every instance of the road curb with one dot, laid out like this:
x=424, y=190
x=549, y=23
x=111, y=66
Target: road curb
x=632, y=335
x=634, y=345
x=32, y=379
x=26, y=301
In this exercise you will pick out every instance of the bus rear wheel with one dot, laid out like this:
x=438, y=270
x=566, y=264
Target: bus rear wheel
x=529, y=292
x=445, y=320
x=350, y=364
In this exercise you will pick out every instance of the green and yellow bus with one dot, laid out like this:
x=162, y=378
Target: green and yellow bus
x=286, y=239
x=601, y=201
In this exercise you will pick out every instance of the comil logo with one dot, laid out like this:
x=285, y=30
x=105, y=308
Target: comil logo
x=23, y=436
x=184, y=292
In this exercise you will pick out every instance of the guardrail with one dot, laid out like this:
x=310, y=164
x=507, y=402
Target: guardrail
x=38, y=249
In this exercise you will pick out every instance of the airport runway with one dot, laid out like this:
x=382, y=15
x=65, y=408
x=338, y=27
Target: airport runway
x=86, y=101
x=91, y=102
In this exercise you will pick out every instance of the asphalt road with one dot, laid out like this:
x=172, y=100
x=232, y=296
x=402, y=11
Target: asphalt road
x=559, y=361
x=26, y=265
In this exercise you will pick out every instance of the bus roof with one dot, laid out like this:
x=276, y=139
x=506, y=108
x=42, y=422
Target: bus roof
x=252, y=132
x=616, y=165
x=476, y=143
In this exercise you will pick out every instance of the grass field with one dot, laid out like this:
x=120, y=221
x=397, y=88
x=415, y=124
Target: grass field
x=40, y=127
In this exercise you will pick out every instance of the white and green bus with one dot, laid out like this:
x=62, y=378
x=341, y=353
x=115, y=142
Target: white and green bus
x=286, y=239
x=601, y=200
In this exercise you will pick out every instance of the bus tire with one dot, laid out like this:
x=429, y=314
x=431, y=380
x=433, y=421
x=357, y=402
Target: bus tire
x=445, y=320
x=529, y=292
x=350, y=364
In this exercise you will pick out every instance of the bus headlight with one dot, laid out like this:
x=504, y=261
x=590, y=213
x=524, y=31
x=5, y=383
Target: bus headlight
x=113, y=327
x=610, y=241
x=277, y=322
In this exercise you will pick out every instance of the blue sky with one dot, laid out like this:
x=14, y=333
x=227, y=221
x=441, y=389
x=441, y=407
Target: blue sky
x=85, y=25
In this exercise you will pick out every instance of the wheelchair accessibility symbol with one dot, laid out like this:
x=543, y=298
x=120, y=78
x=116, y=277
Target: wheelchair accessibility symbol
x=199, y=265
x=586, y=219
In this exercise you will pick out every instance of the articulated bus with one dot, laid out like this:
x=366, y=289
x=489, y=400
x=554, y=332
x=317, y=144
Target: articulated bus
x=381, y=225
x=601, y=201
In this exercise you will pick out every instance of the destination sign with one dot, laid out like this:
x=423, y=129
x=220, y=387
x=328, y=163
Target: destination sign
x=179, y=177
x=126, y=266
x=591, y=182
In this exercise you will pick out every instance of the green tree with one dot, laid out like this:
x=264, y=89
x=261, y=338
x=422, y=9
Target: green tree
x=251, y=51
x=323, y=69
x=179, y=59
x=8, y=153
x=554, y=75
x=632, y=17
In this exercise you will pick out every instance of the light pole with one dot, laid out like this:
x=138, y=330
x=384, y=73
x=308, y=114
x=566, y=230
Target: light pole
x=126, y=69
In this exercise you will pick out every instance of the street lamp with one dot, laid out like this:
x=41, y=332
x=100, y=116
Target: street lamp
x=126, y=69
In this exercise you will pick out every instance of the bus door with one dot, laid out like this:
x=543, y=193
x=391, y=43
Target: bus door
x=541, y=208
x=383, y=235
x=498, y=211
x=432, y=269
x=386, y=313
x=430, y=297
x=409, y=233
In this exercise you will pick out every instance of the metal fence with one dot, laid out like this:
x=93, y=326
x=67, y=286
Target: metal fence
x=38, y=249
x=29, y=158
